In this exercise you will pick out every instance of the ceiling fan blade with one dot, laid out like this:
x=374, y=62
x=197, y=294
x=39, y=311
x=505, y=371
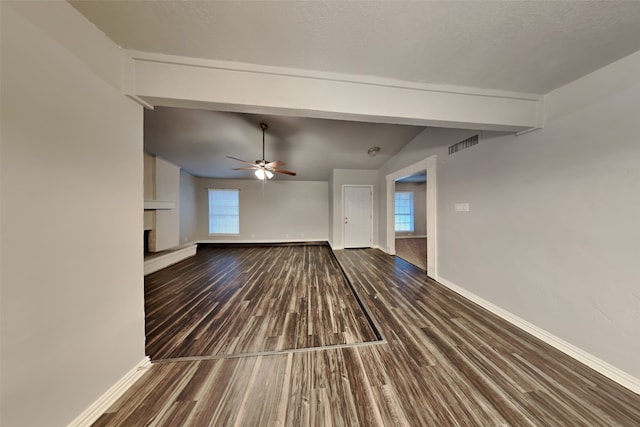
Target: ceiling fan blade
x=262, y=165
x=284, y=172
x=240, y=160
x=275, y=164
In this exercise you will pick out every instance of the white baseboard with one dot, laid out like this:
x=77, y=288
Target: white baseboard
x=151, y=265
x=385, y=250
x=261, y=241
x=599, y=365
x=100, y=406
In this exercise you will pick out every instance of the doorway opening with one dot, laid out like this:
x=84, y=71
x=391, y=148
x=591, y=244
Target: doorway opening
x=357, y=206
x=428, y=168
x=410, y=218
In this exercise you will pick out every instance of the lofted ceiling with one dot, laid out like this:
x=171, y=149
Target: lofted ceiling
x=521, y=46
x=199, y=140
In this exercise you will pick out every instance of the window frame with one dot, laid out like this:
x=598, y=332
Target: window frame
x=235, y=226
x=410, y=214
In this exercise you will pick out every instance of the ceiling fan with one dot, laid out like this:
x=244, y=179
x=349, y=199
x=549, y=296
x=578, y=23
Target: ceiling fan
x=263, y=169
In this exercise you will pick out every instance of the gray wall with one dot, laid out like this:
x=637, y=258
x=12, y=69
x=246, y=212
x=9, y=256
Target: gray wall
x=279, y=211
x=430, y=142
x=72, y=310
x=552, y=234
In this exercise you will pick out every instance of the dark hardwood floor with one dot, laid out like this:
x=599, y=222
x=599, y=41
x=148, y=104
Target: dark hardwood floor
x=413, y=250
x=443, y=361
x=240, y=300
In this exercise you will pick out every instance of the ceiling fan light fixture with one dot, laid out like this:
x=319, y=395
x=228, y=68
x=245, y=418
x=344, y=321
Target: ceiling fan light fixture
x=262, y=168
x=263, y=174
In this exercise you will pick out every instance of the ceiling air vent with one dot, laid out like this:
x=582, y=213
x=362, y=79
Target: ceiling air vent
x=469, y=142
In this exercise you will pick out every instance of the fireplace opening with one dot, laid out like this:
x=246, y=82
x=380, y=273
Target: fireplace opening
x=146, y=241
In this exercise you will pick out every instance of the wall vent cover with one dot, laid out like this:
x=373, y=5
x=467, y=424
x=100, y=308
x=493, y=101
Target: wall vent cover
x=469, y=142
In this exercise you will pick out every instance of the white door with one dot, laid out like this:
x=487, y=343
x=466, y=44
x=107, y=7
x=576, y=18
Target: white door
x=357, y=216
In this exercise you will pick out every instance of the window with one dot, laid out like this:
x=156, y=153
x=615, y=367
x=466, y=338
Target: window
x=224, y=211
x=404, y=211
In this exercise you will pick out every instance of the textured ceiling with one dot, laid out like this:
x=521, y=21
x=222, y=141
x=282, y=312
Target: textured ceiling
x=525, y=46
x=522, y=46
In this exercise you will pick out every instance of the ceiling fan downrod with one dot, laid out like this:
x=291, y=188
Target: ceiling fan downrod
x=264, y=127
x=263, y=169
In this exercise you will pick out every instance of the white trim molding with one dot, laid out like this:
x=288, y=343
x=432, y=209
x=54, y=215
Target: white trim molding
x=624, y=379
x=370, y=187
x=155, y=263
x=263, y=241
x=430, y=166
x=158, y=205
x=141, y=101
x=238, y=87
x=100, y=406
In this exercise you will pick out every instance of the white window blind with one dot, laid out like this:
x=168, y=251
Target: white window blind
x=404, y=211
x=224, y=211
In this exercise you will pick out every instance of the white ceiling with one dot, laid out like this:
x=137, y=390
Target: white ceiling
x=522, y=46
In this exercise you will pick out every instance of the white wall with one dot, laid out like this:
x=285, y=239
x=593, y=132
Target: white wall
x=162, y=183
x=419, y=190
x=149, y=173
x=166, y=234
x=241, y=87
x=281, y=211
x=72, y=294
x=339, y=178
x=188, y=218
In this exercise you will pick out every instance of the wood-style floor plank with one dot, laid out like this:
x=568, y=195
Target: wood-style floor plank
x=229, y=301
x=499, y=361
x=444, y=361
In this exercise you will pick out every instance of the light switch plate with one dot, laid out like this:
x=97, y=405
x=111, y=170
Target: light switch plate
x=462, y=207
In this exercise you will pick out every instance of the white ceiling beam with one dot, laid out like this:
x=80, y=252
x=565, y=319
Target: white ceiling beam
x=217, y=85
